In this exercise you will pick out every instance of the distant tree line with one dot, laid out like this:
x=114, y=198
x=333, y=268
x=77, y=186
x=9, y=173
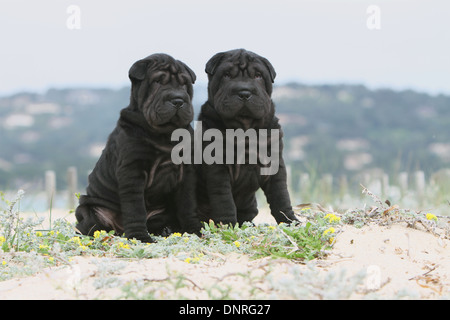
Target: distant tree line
x=324, y=127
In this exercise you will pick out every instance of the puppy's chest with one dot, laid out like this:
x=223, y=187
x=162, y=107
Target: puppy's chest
x=246, y=174
x=162, y=177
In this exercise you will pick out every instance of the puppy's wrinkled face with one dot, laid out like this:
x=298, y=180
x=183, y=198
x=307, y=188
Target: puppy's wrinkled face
x=240, y=85
x=162, y=88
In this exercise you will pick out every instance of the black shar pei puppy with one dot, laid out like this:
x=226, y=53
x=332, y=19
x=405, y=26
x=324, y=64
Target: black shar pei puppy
x=239, y=97
x=135, y=188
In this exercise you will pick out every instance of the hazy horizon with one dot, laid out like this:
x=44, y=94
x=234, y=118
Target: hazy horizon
x=203, y=85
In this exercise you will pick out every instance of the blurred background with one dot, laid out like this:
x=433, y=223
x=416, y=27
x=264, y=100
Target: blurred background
x=362, y=89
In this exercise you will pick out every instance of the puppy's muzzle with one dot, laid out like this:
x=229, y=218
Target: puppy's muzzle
x=177, y=103
x=243, y=90
x=244, y=95
x=177, y=100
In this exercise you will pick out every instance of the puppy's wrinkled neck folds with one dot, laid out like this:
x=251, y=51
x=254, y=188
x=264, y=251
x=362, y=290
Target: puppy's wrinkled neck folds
x=239, y=146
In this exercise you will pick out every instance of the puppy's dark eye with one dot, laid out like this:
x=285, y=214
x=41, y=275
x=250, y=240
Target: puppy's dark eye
x=258, y=75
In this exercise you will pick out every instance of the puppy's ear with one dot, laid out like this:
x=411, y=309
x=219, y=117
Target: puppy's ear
x=212, y=64
x=271, y=69
x=138, y=70
x=191, y=73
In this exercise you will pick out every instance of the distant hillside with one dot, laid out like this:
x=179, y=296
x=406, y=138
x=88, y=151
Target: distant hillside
x=328, y=129
x=345, y=129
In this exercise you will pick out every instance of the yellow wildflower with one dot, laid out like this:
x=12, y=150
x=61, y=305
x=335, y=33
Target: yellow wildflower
x=329, y=230
x=2, y=239
x=76, y=240
x=3, y=263
x=51, y=259
x=123, y=245
x=96, y=234
x=39, y=234
x=431, y=216
x=237, y=244
x=187, y=260
x=272, y=227
x=176, y=234
x=331, y=217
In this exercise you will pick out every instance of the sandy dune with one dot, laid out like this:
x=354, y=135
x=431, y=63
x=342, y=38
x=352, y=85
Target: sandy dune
x=388, y=262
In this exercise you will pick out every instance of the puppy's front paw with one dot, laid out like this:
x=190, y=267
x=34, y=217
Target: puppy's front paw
x=286, y=216
x=141, y=237
x=195, y=229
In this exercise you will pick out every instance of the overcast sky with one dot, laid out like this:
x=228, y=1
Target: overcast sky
x=316, y=41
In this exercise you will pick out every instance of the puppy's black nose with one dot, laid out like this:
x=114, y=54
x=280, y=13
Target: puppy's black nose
x=177, y=103
x=244, y=95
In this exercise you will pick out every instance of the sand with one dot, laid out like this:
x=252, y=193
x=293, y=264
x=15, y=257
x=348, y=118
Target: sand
x=372, y=262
